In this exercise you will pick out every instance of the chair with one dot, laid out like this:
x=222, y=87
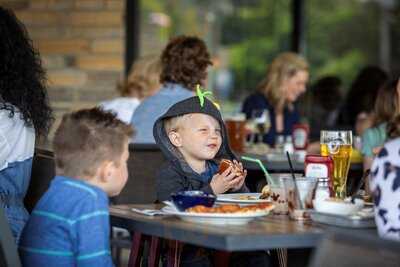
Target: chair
x=143, y=163
x=8, y=249
x=348, y=249
x=43, y=172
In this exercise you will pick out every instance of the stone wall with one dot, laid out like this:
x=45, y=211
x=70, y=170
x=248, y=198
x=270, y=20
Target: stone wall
x=81, y=43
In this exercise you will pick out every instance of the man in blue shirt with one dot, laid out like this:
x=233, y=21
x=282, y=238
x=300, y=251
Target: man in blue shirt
x=184, y=65
x=70, y=224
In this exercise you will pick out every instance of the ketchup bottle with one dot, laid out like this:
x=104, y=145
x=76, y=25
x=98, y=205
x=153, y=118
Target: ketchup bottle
x=320, y=167
x=300, y=136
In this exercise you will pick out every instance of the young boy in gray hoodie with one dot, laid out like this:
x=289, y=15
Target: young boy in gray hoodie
x=193, y=138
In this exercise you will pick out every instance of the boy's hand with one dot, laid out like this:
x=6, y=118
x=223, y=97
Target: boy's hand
x=229, y=179
x=239, y=179
x=220, y=183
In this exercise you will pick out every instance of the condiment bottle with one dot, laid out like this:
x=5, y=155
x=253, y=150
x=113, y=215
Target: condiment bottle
x=300, y=136
x=320, y=167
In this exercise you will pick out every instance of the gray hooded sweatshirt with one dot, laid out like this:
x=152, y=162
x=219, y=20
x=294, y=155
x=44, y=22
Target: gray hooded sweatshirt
x=176, y=174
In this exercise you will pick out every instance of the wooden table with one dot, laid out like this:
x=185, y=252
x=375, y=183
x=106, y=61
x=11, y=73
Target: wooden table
x=268, y=232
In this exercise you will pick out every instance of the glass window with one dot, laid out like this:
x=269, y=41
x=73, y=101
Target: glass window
x=242, y=36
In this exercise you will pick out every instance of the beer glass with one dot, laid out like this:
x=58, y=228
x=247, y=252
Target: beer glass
x=338, y=145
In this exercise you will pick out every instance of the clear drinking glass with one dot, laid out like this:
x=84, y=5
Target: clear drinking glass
x=261, y=123
x=338, y=145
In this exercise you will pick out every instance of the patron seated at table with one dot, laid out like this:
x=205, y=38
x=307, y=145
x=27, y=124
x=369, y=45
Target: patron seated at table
x=193, y=138
x=387, y=106
x=184, y=66
x=284, y=82
x=385, y=184
x=25, y=116
x=70, y=224
x=143, y=81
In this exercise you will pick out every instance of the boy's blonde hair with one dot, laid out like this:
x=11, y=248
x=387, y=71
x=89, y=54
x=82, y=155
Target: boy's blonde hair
x=173, y=123
x=86, y=138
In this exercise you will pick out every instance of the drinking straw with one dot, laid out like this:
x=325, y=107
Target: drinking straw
x=294, y=181
x=258, y=161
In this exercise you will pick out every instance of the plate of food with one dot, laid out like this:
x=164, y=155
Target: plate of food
x=226, y=214
x=243, y=198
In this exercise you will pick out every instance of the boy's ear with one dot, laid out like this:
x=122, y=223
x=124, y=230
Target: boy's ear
x=175, y=138
x=106, y=171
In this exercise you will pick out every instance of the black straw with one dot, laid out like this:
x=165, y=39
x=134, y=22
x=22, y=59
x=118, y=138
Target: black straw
x=294, y=180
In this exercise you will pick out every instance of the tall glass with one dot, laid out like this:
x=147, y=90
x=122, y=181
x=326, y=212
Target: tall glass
x=338, y=145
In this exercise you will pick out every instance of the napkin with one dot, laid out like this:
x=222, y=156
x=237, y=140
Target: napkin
x=148, y=212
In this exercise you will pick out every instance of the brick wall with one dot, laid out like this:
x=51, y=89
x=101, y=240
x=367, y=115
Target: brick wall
x=82, y=46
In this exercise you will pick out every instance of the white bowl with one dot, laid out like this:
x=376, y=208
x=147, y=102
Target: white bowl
x=343, y=207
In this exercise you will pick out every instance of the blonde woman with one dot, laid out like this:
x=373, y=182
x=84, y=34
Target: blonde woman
x=143, y=81
x=285, y=81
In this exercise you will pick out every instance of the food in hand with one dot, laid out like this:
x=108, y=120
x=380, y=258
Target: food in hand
x=225, y=164
x=231, y=208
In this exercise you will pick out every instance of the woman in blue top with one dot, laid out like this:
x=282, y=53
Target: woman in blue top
x=285, y=81
x=24, y=114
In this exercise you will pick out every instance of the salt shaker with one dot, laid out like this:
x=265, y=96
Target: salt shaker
x=322, y=191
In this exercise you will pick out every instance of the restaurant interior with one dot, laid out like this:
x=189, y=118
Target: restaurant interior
x=311, y=160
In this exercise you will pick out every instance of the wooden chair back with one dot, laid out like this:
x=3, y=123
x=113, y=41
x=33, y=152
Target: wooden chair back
x=143, y=164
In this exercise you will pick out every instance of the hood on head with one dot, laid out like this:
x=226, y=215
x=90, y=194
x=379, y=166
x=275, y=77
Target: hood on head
x=190, y=105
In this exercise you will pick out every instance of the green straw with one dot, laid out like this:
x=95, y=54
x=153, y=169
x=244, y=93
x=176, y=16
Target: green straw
x=258, y=161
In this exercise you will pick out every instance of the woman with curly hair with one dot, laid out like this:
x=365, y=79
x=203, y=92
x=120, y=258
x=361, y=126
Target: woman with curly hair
x=24, y=114
x=184, y=63
x=284, y=82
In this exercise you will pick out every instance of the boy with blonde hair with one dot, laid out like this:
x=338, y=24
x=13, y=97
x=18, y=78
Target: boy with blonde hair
x=193, y=138
x=70, y=224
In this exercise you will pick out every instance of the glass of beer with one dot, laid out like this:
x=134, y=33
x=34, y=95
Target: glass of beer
x=338, y=145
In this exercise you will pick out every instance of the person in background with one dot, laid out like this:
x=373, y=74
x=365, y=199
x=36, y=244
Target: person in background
x=184, y=62
x=359, y=103
x=385, y=184
x=284, y=82
x=70, y=225
x=25, y=115
x=326, y=100
x=387, y=106
x=142, y=82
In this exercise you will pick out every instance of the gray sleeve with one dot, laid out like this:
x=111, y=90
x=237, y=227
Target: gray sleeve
x=168, y=181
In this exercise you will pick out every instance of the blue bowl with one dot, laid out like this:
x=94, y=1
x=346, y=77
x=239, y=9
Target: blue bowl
x=187, y=199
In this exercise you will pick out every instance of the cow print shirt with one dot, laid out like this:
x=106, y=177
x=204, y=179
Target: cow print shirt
x=385, y=185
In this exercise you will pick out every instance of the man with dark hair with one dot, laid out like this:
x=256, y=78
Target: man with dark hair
x=184, y=65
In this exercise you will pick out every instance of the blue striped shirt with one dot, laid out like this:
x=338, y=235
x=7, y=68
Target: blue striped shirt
x=68, y=227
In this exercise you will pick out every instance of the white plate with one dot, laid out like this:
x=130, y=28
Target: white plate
x=217, y=218
x=235, y=198
x=338, y=208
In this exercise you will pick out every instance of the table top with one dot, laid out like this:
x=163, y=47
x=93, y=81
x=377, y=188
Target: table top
x=272, y=231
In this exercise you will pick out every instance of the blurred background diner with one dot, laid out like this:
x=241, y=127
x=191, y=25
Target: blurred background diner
x=280, y=71
x=143, y=81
